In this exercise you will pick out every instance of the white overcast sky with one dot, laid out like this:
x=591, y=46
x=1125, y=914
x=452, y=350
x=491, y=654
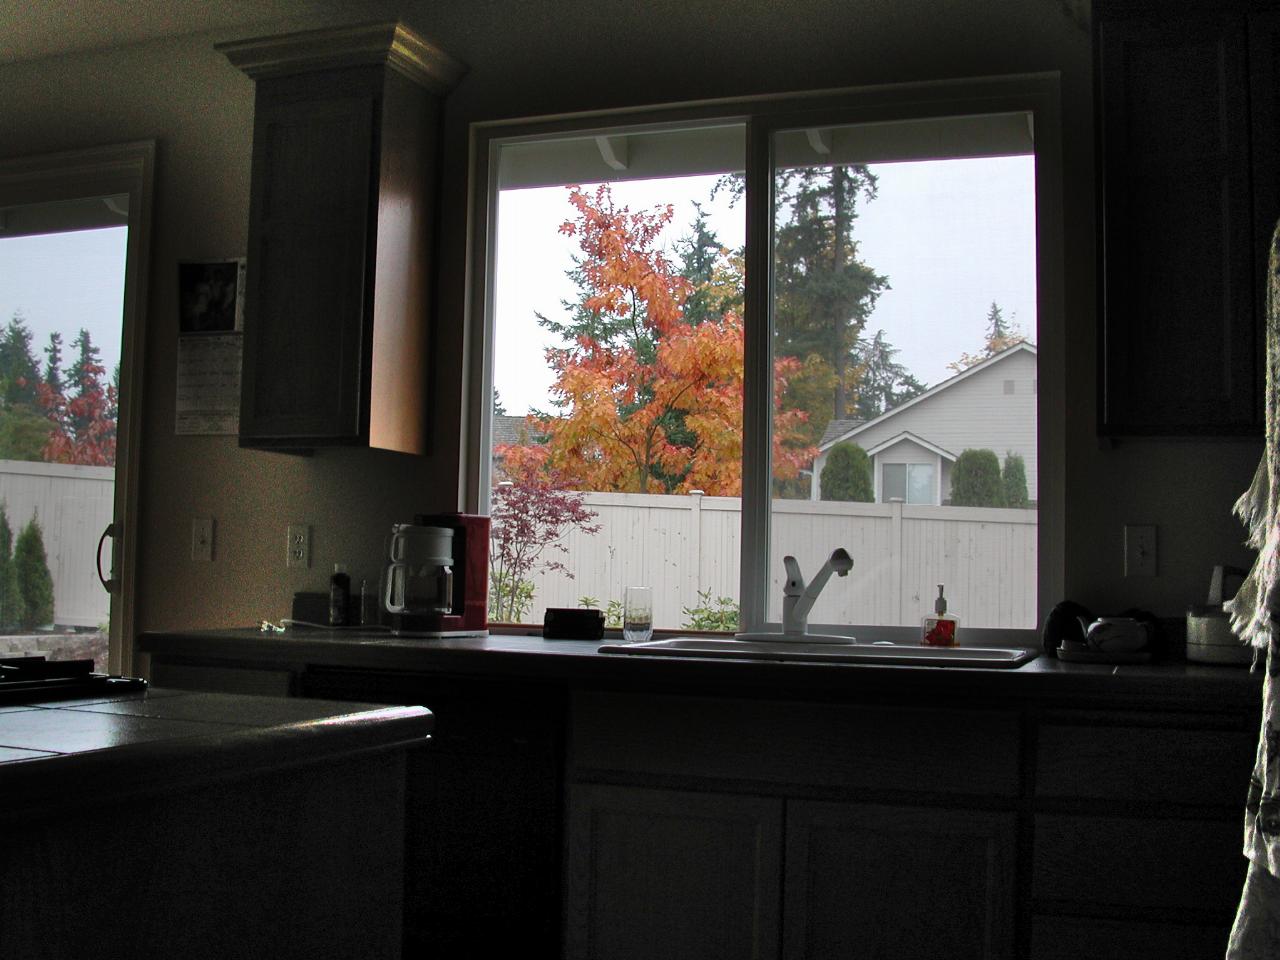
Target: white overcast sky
x=952, y=236
x=62, y=282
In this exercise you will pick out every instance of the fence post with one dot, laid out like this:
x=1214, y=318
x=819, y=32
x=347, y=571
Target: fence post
x=895, y=555
x=695, y=542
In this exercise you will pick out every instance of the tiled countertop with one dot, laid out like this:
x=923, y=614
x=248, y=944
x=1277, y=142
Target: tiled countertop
x=68, y=752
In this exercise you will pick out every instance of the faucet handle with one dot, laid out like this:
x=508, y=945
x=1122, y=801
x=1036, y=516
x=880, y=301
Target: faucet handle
x=794, y=586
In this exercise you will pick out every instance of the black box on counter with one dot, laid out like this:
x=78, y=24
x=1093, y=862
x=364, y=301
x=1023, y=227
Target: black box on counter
x=573, y=623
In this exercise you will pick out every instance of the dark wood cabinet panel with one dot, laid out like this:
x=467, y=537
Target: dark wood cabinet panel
x=340, y=221
x=1179, y=340
x=880, y=748
x=1074, y=938
x=1134, y=763
x=1193, y=869
x=305, y=287
x=898, y=882
x=658, y=873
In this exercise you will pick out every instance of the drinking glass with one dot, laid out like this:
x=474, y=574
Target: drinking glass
x=637, y=614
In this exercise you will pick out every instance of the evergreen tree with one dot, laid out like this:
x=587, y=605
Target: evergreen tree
x=823, y=293
x=1000, y=336
x=11, y=607
x=997, y=329
x=700, y=254
x=883, y=383
x=847, y=474
x=499, y=409
x=1013, y=479
x=34, y=581
x=53, y=362
x=84, y=381
x=975, y=480
x=19, y=372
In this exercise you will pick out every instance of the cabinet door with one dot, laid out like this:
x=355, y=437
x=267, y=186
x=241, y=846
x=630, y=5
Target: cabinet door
x=305, y=290
x=1264, y=116
x=890, y=882
x=660, y=873
x=1178, y=339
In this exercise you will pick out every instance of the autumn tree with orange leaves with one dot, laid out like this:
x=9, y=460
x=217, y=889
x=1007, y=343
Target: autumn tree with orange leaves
x=648, y=399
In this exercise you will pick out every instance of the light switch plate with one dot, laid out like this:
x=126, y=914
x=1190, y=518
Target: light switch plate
x=202, y=539
x=298, y=545
x=1139, y=550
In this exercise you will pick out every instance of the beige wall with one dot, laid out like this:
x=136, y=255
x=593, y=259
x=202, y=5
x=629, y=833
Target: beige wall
x=547, y=57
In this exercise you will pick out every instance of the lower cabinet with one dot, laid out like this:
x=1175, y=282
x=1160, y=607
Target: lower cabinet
x=897, y=882
x=665, y=873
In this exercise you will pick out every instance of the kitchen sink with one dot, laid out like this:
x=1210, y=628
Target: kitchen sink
x=828, y=651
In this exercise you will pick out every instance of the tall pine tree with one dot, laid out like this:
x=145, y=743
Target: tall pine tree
x=823, y=292
x=53, y=362
x=19, y=372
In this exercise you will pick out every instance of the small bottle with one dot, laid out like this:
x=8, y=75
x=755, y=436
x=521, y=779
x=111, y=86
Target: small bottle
x=940, y=629
x=368, y=604
x=339, y=596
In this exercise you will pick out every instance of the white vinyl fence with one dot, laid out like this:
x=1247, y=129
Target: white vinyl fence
x=74, y=506
x=680, y=545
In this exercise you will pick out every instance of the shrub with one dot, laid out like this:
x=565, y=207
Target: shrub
x=10, y=595
x=975, y=480
x=718, y=614
x=34, y=582
x=1013, y=480
x=847, y=474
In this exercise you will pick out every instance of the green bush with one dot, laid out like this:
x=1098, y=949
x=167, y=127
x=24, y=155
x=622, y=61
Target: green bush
x=975, y=480
x=1013, y=480
x=34, y=582
x=10, y=595
x=847, y=474
x=510, y=598
x=718, y=614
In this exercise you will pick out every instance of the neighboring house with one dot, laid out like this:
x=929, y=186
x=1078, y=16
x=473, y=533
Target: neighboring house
x=913, y=447
x=508, y=431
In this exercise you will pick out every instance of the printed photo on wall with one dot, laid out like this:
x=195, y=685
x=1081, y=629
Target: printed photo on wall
x=211, y=296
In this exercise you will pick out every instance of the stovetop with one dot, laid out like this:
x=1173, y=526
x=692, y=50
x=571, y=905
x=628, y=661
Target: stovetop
x=37, y=679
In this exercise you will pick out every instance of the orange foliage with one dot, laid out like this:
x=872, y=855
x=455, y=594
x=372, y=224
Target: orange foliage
x=660, y=404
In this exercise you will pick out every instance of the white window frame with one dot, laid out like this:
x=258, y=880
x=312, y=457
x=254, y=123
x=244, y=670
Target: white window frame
x=1037, y=95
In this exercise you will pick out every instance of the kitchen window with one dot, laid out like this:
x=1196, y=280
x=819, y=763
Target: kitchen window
x=741, y=290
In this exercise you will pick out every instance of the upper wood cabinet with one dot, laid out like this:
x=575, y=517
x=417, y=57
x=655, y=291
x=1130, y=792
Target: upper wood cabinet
x=1187, y=159
x=340, y=224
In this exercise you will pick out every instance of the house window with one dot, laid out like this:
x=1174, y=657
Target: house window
x=908, y=483
x=831, y=286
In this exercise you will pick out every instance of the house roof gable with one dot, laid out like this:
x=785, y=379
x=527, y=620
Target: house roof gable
x=914, y=438
x=1024, y=347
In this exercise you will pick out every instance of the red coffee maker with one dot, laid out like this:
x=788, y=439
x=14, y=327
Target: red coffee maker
x=438, y=582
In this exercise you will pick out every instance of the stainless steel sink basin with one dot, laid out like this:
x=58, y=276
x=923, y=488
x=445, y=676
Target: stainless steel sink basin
x=827, y=652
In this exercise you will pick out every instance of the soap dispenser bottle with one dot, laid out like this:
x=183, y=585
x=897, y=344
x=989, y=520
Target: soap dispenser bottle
x=940, y=629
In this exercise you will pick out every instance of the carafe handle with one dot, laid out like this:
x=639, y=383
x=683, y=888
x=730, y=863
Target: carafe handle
x=389, y=603
x=397, y=546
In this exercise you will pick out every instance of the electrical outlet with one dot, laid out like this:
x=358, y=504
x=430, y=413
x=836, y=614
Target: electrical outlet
x=1139, y=550
x=202, y=539
x=298, y=545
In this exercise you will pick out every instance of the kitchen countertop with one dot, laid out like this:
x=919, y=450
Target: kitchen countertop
x=66, y=753
x=576, y=662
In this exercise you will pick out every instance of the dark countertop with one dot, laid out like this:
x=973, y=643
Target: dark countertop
x=1176, y=685
x=65, y=753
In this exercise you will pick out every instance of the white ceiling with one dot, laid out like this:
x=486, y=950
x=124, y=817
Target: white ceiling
x=39, y=28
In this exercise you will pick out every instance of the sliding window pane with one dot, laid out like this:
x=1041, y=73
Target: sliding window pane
x=904, y=304
x=616, y=310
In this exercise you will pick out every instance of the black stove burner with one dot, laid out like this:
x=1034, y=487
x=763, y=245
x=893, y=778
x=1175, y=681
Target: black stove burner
x=35, y=680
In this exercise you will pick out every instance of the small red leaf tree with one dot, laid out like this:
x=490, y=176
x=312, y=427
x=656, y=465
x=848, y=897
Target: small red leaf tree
x=530, y=515
x=83, y=424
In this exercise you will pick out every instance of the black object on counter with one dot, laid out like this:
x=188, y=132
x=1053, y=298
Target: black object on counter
x=339, y=597
x=571, y=623
x=36, y=680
